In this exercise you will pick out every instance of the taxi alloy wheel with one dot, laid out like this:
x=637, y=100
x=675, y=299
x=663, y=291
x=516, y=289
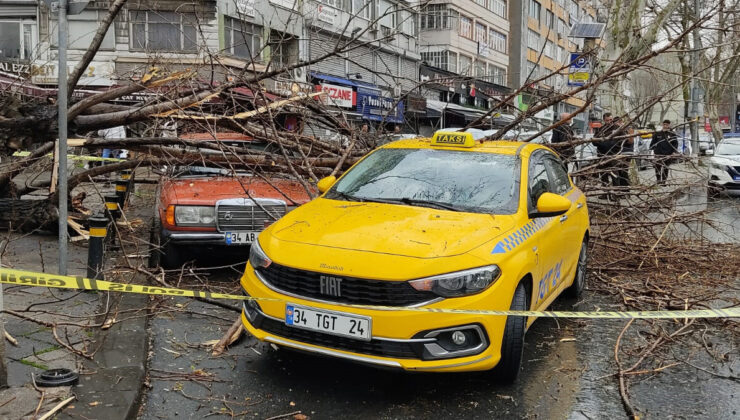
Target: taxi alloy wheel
x=579, y=281
x=512, y=345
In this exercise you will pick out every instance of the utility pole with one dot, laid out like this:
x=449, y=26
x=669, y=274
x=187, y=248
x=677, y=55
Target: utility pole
x=695, y=88
x=62, y=124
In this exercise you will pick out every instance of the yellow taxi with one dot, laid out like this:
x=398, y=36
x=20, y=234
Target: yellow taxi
x=440, y=223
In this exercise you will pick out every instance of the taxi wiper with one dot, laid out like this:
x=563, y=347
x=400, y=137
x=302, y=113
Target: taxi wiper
x=345, y=196
x=429, y=203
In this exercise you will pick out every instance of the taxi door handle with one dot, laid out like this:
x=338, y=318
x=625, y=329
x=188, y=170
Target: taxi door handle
x=563, y=218
x=579, y=205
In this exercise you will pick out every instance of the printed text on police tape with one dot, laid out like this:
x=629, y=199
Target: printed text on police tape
x=28, y=278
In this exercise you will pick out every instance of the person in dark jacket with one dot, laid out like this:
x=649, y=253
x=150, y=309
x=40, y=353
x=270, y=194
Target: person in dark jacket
x=564, y=134
x=665, y=147
x=615, y=170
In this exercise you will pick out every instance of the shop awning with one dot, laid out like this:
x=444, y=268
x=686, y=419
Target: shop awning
x=343, y=81
x=437, y=107
x=249, y=93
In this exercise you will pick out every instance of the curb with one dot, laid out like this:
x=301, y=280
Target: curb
x=113, y=387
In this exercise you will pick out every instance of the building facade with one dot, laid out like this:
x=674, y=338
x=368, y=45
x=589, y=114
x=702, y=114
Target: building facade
x=465, y=49
x=224, y=38
x=544, y=47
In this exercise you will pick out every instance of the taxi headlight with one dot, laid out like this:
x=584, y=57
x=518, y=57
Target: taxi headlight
x=460, y=283
x=720, y=167
x=257, y=256
x=195, y=215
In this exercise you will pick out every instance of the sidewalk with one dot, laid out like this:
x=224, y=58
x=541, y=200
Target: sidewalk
x=110, y=382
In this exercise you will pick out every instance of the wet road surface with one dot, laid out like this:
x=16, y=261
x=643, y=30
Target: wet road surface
x=568, y=374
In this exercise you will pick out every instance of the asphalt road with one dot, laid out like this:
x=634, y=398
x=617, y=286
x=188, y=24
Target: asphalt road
x=568, y=369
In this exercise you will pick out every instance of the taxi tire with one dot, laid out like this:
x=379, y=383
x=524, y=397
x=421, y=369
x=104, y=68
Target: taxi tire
x=579, y=278
x=512, y=345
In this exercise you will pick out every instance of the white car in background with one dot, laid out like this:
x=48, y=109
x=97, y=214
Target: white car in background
x=724, y=166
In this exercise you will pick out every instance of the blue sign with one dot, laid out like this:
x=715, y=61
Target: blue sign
x=375, y=107
x=579, y=70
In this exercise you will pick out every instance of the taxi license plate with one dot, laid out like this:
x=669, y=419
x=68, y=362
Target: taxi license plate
x=329, y=322
x=235, y=238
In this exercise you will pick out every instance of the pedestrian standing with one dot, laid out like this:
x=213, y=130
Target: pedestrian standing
x=603, y=147
x=665, y=147
x=562, y=139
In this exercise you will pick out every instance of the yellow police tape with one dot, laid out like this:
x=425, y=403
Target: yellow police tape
x=29, y=278
x=24, y=153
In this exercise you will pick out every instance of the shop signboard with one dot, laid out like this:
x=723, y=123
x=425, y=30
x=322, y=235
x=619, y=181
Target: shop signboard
x=340, y=96
x=374, y=106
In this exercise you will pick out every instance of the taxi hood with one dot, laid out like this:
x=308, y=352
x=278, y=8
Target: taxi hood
x=419, y=232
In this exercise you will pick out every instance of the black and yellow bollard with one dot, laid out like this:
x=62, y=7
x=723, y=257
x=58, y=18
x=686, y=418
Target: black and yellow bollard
x=96, y=246
x=112, y=212
x=121, y=188
x=128, y=176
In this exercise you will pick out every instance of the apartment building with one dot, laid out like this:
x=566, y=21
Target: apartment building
x=541, y=28
x=465, y=49
x=220, y=38
x=371, y=81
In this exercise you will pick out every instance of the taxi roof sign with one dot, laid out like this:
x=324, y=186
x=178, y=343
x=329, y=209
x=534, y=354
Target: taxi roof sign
x=453, y=138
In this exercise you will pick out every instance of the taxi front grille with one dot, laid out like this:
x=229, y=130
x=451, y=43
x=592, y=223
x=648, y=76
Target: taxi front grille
x=373, y=347
x=247, y=218
x=350, y=290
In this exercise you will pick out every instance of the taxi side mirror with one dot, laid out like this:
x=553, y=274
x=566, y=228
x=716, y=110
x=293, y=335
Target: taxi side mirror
x=325, y=183
x=550, y=204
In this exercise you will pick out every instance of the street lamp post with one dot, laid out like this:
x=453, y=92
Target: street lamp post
x=62, y=124
x=63, y=8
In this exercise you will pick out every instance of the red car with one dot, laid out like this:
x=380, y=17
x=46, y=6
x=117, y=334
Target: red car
x=210, y=207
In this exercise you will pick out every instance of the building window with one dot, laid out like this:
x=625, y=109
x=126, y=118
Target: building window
x=82, y=29
x=533, y=70
x=549, y=49
x=445, y=60
x=406, y=20
x=163, y=31
x=562, y=27
x=550, y=19
x=386, y=14
x=535, y=9
x=283, y=50
x=573, y=9
x=480, y=69
x=362, y=8
x=480, y=32
x=17, y=39
x=337, y=4
x=481, y=2
x=466, y=64
x=497, y=75
x=466, y=27
x=497, y=41
x=498, y=7
x=561, y=55
x=242, y=39
x=438, y=16
x=533, y=39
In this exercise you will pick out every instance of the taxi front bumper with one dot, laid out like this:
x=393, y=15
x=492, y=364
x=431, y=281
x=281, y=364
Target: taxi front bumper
x=400, y=338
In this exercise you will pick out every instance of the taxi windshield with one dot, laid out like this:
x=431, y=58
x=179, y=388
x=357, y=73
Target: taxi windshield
x=446, y=179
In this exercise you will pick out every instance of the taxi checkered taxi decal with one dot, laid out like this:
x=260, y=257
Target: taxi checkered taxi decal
x=520, y=235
